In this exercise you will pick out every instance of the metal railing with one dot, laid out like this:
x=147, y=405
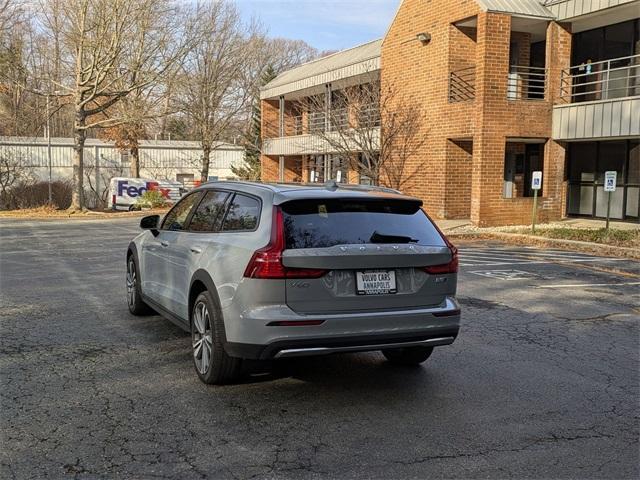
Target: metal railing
x=339, y=119
x=297, y=125
x=462, y=85
x=614, y=78
x=526, y=83
x=369, y=116
x=317, y=122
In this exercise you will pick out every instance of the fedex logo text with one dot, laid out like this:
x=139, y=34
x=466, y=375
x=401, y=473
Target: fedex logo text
x=133, y=191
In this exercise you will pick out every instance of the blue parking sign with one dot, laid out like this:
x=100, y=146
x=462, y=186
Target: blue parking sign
x=536, y=181
x=610, y=180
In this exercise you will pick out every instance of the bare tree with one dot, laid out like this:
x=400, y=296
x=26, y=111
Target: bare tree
x=113, y=48
x=371, y=127
x=136, y=111
x=11, y=170
x=99, y=179
x=274, y=57
x=16, y=108
x=215, y=82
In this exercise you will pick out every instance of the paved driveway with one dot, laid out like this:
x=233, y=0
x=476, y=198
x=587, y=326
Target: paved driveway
x=542, y=382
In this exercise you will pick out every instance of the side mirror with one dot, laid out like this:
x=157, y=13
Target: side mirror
x=150, y=223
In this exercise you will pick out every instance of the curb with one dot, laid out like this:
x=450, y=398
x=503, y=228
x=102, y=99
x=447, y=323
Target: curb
x=575, y=245
x=81, y=216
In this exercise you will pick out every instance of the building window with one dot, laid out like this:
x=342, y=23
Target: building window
x=339, y=169
x=316, y=169
x=521, y=160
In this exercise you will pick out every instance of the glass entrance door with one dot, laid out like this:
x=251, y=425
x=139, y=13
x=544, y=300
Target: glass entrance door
x=588, y=162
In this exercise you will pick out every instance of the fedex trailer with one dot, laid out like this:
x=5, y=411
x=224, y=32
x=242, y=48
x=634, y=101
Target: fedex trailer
x=124, y=192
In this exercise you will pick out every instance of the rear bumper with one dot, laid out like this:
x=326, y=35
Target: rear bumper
x=353, y=333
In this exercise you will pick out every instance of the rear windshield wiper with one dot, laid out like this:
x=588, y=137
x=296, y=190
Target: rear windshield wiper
x=378, y=237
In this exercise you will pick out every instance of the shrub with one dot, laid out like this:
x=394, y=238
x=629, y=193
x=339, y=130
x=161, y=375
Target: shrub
x=27, y=194
x=151, y=199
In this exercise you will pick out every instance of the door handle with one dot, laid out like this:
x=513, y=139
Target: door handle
x=164, y=244
x=196, y=250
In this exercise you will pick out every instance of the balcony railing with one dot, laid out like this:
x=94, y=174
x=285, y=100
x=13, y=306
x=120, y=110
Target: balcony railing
x=462, y=85
x=369, y=116
x=605, y=80
x=339, y=119
x=317, y=122
x=298, y=128
x=526, y=83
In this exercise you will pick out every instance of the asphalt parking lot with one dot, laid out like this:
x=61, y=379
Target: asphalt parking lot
x=541, y=383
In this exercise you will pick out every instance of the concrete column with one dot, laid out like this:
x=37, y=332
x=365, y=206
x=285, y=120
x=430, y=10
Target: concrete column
x=327, y=107
x=281, y=169
x=281, y=104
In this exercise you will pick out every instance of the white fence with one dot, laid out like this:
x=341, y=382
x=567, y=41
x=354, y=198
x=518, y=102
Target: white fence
x=163, y=160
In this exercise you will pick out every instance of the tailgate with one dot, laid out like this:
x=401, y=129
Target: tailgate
x=375, y=255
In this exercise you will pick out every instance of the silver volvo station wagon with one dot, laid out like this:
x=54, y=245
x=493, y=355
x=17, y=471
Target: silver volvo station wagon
x=268, y=271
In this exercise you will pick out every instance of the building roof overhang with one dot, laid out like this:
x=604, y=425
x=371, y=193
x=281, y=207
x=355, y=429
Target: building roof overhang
x=517, y=8
x=354, y=61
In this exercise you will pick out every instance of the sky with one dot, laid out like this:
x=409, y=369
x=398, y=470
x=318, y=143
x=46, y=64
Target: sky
x=324, y=24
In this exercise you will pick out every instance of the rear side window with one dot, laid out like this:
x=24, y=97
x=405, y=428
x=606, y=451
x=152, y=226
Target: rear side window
x=208, y=215
x=243, y=214
x=326, y=223
x=178, y=215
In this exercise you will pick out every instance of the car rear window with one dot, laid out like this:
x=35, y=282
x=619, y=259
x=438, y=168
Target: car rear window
x=326, y=223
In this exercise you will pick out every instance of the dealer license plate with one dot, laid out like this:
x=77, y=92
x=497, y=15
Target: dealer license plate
x=376, y=282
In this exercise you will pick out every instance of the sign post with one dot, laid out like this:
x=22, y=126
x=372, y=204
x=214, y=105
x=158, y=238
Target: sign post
x=610, y=180
x=536, y=185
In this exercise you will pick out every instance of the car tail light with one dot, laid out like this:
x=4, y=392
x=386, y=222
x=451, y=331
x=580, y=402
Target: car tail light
x=267, y=261
x=452, y=266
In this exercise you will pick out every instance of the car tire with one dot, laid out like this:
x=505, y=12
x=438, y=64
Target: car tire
x=408, y=356
x=210, y=360
x=134, y=296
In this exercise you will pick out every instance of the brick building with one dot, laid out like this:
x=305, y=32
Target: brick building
x=505, y=87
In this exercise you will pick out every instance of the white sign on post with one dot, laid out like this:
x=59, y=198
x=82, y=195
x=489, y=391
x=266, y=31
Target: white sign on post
x=536, y=181
x=610, y=180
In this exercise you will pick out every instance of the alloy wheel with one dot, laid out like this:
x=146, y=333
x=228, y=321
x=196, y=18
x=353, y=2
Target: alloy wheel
x=131, y=283
x=202, y=337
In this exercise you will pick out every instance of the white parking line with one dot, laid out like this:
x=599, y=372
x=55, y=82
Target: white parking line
x=535, y=262
x=579, y=285
x=511, y=253
x=484, y=257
